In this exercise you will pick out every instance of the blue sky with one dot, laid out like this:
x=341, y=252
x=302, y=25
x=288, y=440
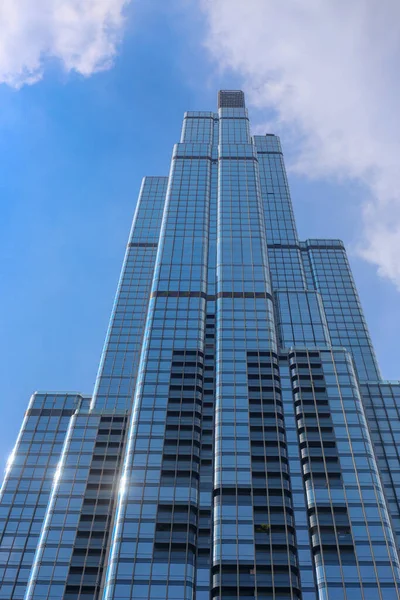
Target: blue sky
x=73, y=150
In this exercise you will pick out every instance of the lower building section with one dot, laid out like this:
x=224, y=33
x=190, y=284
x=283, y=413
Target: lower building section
x=255, y=553
x=58, y=500
x=382, y=407
x=352, y=541
x=311, y=522
x=91, y=546
x=31, y=473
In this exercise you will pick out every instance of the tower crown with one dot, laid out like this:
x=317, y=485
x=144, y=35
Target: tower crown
x=231, y=99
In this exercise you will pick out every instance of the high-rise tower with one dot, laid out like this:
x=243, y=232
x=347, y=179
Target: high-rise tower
x=240, y=442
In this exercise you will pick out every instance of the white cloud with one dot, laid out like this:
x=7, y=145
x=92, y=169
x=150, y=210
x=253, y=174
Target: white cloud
x=81, y=34
x=329, y=68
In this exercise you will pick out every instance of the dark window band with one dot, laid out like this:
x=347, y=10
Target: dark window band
x=50, y=412
x=210, y=298
x=305, y=247
x=190, y=156
x=269, y=152
x=143, y=245
x=195, y=157
x=201, y=117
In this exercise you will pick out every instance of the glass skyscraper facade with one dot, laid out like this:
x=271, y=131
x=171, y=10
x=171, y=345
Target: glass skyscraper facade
x=240, y=441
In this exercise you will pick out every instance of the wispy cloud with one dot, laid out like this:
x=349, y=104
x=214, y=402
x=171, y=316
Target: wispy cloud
x=329, y=69
x=81, y=34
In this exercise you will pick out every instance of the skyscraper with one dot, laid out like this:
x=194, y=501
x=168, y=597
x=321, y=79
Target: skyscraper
x=239, y=442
